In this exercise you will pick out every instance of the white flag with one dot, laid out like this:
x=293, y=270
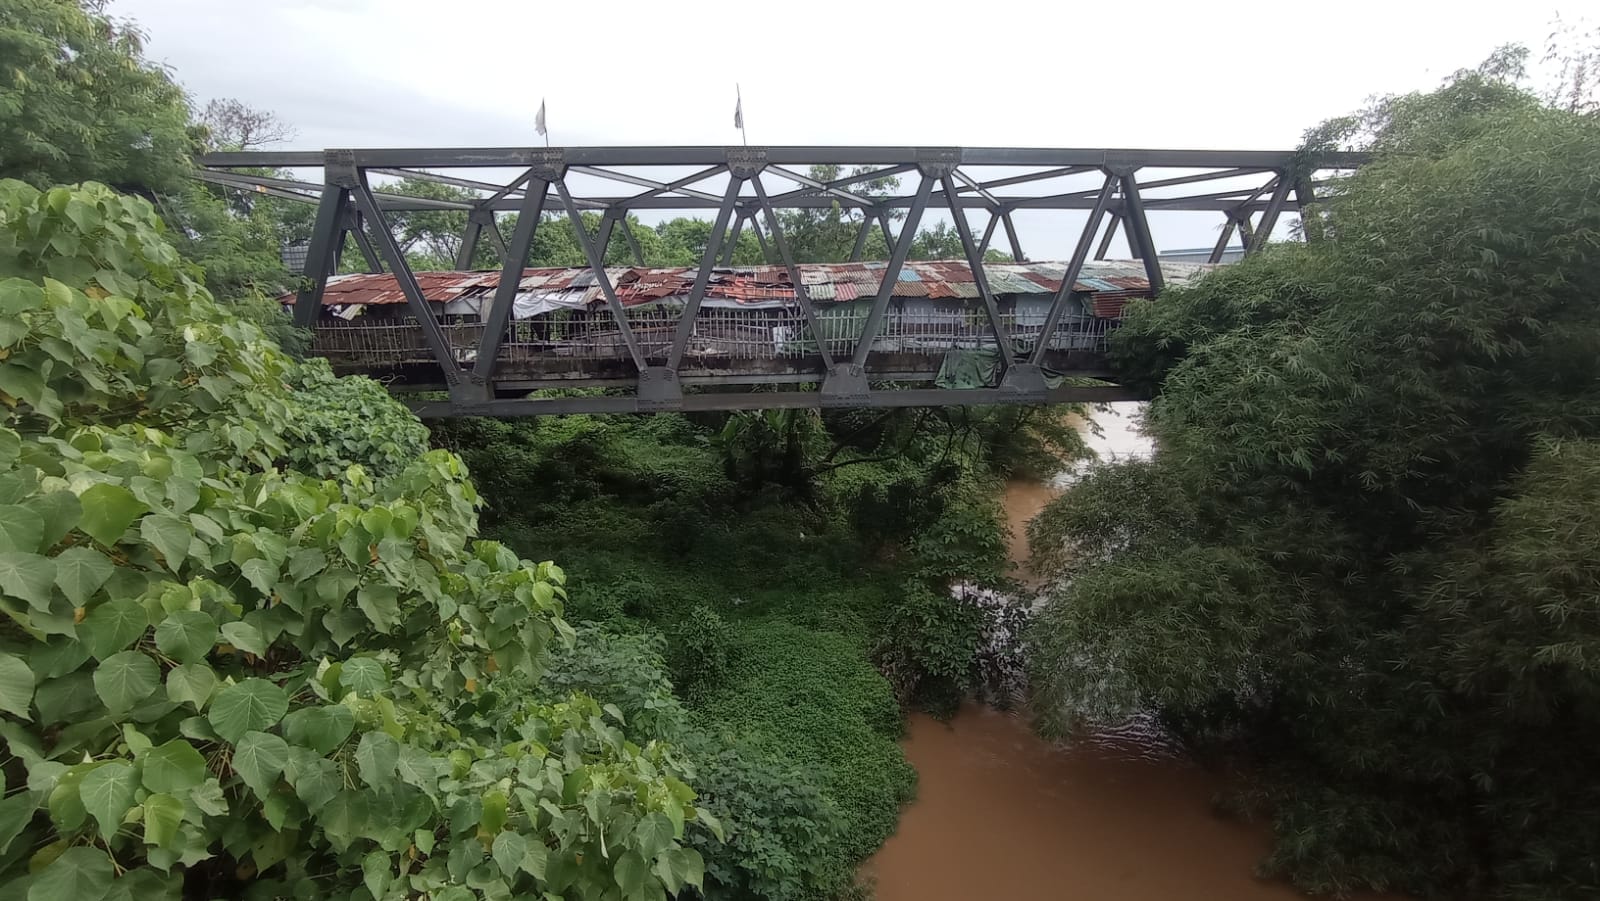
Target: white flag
x=538, y=121
x=738, y=113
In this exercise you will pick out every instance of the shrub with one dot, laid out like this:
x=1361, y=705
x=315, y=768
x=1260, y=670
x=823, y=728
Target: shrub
x=812, y=698
x=630, y=595
x=341, y=422
x=967, y=541
x=620, y=668
x=780, y=826
x=214, y=672
x=699, y=652
x=929, y=649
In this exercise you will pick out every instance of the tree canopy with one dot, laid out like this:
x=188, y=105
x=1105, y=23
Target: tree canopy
x=222, y=655
x=1364, y=550
x=78, y=101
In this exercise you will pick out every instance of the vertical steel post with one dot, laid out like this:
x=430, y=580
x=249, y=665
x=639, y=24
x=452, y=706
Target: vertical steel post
x=1221, y=247
x=761, y=239
x=1069, y=278
x=337, y=257
x=861, y=237
x=598, y=267
x=732, y=243
x=469, y=243
x=1311, y=222
x=633, y=242
x=889, y=241
x=988, y=232
x=491, y=227
x=512, y=262
x=802, y=296
x=1269, y=219
x=358, y=230
x=1240, y=216
x=1111, y=232
x=607, y=222
x=708, y=260
x=320, y=258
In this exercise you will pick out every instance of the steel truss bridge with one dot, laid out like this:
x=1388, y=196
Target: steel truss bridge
x=1246, y=191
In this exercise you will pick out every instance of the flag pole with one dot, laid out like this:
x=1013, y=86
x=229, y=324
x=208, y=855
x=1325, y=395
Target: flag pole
x=739, y=113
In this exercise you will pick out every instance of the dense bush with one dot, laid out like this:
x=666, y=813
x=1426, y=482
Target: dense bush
x=620, y=668
x=633, y=594
x=340, y=422
x=968, y=539
x=219, y=677
x=937, y=648
x=929, y=648
x=811, y=698
x=778, y=821
x=1366, y=550
x=780, y=825
x=700, y=649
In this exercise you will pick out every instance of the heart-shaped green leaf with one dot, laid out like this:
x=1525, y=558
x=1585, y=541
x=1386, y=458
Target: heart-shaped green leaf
x=250, y=706
x=123, y=680
x=259, y=758
x=187, y=636
x=108, y=510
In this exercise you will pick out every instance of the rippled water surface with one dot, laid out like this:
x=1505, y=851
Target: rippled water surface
x=1001, y=813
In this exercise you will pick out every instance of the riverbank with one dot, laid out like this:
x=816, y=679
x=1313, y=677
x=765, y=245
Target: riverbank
x=770, y=627
x=1121, y=815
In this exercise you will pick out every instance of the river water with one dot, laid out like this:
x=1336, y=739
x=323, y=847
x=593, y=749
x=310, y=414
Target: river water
x=1121, y=816
x=1112, y=433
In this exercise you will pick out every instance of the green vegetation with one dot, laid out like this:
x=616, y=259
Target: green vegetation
x=1365, y=554
x=80, y=102
x=773, y=551
x=252, y=645
x=216, y=670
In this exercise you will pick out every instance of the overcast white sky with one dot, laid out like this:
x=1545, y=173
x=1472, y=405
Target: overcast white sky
x=1236, y=75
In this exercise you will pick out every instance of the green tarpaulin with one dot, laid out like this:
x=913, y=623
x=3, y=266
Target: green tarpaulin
x=980, y=368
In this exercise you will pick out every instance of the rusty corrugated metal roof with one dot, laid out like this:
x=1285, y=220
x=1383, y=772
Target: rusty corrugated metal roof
x=1111, y=283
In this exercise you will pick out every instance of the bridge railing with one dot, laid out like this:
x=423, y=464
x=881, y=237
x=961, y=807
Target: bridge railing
x=373, y=344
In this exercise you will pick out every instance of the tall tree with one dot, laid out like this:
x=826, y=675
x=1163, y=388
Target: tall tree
x=683, y=242
x=79, y=101
x=1365, y=550
x=943, y=242
x=828, y=234
x=234, y=125
x=1573, y=51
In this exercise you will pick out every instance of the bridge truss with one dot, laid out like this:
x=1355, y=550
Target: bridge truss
x=739, y=187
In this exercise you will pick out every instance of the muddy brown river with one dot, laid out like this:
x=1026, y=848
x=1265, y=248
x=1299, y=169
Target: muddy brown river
x=1000, y=813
